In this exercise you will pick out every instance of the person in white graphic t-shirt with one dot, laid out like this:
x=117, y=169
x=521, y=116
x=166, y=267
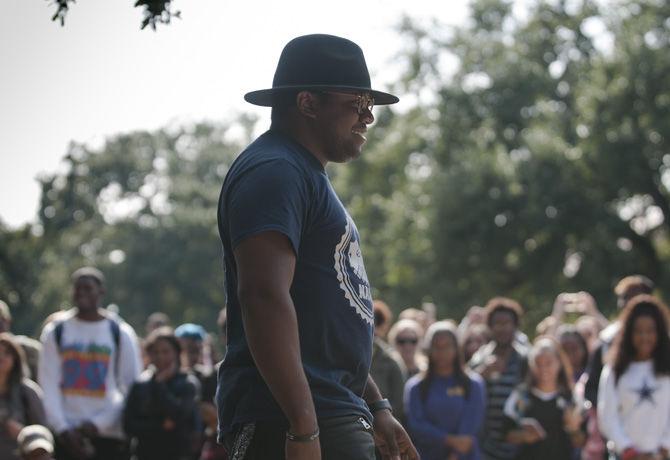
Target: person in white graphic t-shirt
x=88, y=363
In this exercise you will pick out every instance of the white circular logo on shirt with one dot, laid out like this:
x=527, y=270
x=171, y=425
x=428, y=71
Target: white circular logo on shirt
x=351, y=273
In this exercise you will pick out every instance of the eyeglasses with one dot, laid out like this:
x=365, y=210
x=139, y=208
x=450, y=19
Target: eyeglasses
x=363, y=101
x=402, y=341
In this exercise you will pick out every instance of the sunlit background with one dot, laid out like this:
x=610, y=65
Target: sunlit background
x=101, y=75
x=529, y=154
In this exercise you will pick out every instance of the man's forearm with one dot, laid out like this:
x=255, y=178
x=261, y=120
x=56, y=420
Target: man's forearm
x=371, y=393
x=272, y=334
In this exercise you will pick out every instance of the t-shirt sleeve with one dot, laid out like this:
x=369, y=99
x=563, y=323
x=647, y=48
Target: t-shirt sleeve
x=271, y=196
x=49, y=378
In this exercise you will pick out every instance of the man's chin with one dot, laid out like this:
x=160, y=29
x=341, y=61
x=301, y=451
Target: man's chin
x=345, y=157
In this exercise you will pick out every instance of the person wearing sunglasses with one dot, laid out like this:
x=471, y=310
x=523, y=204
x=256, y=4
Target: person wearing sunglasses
x=295, y=380
x=404, y=336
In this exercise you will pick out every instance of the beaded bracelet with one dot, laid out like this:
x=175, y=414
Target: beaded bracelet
x=302, y=437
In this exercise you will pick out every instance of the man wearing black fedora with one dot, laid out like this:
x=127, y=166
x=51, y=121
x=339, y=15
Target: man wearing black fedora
x=295, y=382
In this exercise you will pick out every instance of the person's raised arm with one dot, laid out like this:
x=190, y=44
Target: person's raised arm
x=265, y=266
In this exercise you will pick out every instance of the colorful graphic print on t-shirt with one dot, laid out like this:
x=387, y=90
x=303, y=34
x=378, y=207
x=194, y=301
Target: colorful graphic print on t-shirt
x=85, y=369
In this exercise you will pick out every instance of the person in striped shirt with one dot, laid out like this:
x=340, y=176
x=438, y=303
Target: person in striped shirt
x=502, y=364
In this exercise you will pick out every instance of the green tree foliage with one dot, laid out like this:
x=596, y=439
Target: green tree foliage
x=534, y=161
x=155, y=12
x=538, y=167
x=143, y=209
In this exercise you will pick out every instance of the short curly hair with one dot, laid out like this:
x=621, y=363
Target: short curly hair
x=382, y=312
x=506, y=304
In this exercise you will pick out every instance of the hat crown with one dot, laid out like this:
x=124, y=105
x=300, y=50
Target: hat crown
x=321, y=60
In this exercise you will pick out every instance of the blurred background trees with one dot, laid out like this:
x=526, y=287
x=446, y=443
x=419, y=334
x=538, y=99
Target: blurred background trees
x=538, y=165
x=155, y=12
x=535, y=161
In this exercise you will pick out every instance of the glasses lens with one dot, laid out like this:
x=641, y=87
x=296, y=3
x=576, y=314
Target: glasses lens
x=406, y=341
x=370, y=103
x=365, y=102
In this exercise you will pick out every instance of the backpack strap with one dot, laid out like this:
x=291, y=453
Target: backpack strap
x=58, y=335
x=115, y=329
x=58, y=328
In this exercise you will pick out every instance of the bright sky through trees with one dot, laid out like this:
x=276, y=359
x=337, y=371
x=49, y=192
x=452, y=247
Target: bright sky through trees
x=100, y=75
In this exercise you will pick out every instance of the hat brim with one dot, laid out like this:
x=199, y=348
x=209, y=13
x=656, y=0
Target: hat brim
x=266, y=97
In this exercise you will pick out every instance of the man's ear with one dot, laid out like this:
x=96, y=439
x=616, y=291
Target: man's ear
x=307, y=103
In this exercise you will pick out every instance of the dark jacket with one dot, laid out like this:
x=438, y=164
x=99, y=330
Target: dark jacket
x=163, y=417
x=388, y=372
x=23, y=404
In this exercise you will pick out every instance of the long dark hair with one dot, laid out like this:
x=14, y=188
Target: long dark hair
x=570, y=331
x=449, y=329
x=18, y=370
x=623, y=352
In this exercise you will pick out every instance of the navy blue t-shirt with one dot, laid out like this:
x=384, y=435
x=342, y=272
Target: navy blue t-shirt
x=277, y=185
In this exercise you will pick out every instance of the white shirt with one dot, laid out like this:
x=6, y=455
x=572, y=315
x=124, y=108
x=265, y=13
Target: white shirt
x=80, y=380
x=636, y=411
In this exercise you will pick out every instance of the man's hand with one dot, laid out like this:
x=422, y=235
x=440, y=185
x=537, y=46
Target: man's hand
x=303, y=450
x=531, y=435
x=208, y=414
x=493, y=368
x=572, y=419
x=169, y=424
x=13, y=428
x=73, y=443
x=391, y=438
x=167, y=373
x=590, y=307
x=460, y=443
x=88, y=429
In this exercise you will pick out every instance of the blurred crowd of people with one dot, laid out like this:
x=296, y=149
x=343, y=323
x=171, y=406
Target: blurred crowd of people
x=584, y=388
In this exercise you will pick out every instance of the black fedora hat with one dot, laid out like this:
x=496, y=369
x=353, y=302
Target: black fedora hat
x=320, y=62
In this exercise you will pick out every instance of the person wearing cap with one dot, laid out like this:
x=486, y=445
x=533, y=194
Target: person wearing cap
x=295, y=380
x=89, y=361
x=192, y=339
x=35, y=443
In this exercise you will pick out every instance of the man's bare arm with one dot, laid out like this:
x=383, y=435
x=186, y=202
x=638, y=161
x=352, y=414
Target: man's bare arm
x=265, y=267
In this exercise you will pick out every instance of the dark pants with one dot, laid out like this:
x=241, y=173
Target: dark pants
x=348, y=437
x=105, y=449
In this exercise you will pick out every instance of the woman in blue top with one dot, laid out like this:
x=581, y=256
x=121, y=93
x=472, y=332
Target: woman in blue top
x=445, y=404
